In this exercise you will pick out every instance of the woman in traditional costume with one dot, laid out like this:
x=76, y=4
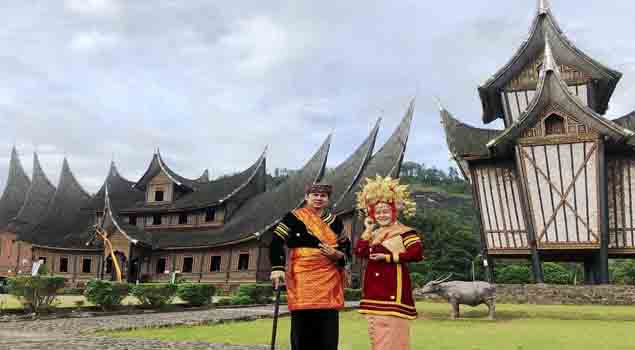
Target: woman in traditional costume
x=387, y=299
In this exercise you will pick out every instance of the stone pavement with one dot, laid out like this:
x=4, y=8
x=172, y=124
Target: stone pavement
x=78, y=333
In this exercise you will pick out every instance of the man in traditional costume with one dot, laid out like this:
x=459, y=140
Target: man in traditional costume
x=318, y=254
x=387, y=299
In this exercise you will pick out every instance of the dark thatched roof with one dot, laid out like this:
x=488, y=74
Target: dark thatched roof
x=465, y=140
x=14, y=194
x=552, y=90
x=206, y=194
x=68, y=214
x=37, y=201
x=545, y=28
x=256, y=215
x=347, y=174
x=386, y=162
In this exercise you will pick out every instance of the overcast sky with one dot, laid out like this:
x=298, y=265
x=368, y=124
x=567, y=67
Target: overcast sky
x=212, y=82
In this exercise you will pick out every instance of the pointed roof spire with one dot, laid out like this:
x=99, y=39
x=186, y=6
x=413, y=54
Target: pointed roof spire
x=113, y=169
x=17, y=185
x=549, y=63
x=543, y=6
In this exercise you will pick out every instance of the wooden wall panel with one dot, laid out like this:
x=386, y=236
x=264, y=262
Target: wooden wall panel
x=501, y=211
x=621, y=178
x=562, y=181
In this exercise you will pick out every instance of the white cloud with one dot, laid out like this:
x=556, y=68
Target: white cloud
x=93, y=40
x=93, y=7
x=259, y=43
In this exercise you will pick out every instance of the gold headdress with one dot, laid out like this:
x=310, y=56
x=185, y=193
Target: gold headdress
x=385, y=189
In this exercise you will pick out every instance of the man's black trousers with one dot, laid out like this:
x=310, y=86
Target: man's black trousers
x=314, y=329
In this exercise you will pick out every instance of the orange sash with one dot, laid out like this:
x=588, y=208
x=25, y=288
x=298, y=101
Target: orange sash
x=313, y=280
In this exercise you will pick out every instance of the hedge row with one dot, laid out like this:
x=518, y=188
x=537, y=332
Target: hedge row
x=38, y=293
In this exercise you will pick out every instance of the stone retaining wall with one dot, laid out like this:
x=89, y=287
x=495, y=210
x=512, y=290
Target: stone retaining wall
x=563, y=294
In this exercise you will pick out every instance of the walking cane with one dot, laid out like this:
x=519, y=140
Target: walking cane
x=275, y=319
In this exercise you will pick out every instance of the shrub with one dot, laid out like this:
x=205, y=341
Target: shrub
x=352, y=294
x=257, y=293
x=154, y=294
x=513, y=274
x=241, y=300
x=224, y=302
x=106, y=295
x=196, y=294
x=556, y=273
x=36, y=292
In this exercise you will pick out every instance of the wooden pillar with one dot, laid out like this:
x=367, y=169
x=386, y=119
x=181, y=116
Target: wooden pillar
x=200, y=269
x=603, y=263
x=129, y=264
x=74, y=267
x=229, y=267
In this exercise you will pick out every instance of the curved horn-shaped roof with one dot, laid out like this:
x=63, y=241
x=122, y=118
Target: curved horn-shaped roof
x=36, y=203
x=14, y=194
x=204, y=176
x=553, y=91
x=346, y=175
x=157, y=165
x=544, y=27
x=65, y=215
x=211, y=193
x=386, y=162
x=257, y=215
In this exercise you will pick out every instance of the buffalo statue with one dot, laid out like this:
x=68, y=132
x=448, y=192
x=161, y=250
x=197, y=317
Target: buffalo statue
x=467, y=293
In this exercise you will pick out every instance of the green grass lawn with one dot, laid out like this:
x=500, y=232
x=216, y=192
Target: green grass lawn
x=527, y=327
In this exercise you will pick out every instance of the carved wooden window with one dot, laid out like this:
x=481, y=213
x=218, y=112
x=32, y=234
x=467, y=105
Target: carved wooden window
x=215, y=264
x=188, y=263
x=132, y=220
x=87, y=265
x=63, y=264
x=161, y=265
x=183, y=219
x=243, y=262
x=554, y=125
x=158, y=196
x=156, y=219
x=210, y=214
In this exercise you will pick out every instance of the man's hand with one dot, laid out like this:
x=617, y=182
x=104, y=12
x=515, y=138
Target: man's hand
x=379, y=257
x=331, y=252
x=277, y=278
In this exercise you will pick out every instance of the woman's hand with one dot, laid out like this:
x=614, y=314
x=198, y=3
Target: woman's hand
x=379, y=257
x=369, y=225
x=331, y=252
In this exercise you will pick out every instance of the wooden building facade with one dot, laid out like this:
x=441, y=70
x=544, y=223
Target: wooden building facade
x=555, y=184
x=206, y=231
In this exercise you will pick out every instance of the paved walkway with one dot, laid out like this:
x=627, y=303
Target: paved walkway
x=78, y=333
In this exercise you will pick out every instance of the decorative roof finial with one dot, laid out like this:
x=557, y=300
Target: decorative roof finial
x=543, y=6
x=549, y=63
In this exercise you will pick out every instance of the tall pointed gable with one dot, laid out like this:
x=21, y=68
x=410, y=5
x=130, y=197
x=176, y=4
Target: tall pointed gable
x=386, y=162
x=553, y=95
x=66, y=212
x=156, y=166
x=36, y=202
x=122, y=191
x=237, y=187
x=345, y=175
x=580, y=68
x=14, y=194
